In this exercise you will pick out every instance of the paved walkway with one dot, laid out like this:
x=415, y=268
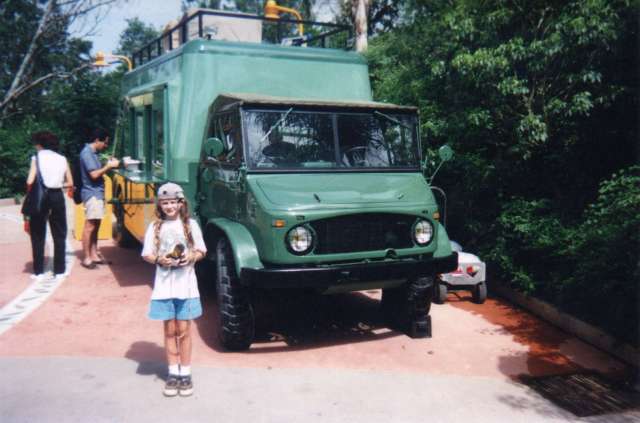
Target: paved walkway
x=88, y=353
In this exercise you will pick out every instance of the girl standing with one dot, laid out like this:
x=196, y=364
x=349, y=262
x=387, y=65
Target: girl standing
x=174, y=243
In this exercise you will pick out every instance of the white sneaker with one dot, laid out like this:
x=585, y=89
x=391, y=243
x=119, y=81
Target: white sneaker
x=59, y=277
x=41, y=277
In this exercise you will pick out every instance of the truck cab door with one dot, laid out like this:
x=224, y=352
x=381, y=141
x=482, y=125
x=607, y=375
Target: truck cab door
x=221, y=180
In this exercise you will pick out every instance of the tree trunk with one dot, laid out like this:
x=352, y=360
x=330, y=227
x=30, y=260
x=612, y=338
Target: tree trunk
x=26, y=61
x=360, y=11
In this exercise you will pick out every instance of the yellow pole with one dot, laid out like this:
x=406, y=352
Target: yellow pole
x=272, y=10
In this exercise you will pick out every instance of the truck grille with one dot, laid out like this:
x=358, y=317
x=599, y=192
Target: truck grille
x=363, y=232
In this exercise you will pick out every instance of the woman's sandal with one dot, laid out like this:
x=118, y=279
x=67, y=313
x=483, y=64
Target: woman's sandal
x=91, y=265
x=101, y=260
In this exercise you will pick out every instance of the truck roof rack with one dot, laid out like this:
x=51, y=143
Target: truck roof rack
x=227, y=99
x=212, y=24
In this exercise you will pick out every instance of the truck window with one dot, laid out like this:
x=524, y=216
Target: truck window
x=139, y=133
x=157, y=142
x=227, y=127
x=339, y=140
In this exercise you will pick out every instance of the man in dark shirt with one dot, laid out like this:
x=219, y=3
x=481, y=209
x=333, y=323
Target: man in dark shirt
x=92, y=171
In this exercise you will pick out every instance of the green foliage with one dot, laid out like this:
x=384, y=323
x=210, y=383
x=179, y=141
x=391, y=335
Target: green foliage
x=606, y=251
x=304, y=7
x=538, y=100
x=56, y=52
x=136, y=35
x=91, y=101
x=15, y=152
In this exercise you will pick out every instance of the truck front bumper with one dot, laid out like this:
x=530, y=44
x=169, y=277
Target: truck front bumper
x=327, y=276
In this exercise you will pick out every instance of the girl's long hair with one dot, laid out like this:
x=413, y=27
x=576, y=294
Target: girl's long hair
x=184, y=217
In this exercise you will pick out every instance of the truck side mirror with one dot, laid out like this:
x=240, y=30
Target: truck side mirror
x=213, y=147
x=445, y=153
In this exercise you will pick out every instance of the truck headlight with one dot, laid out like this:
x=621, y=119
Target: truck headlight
x=299, y=240
x=422, y=232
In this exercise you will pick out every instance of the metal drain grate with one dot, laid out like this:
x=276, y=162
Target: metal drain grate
x=584, y=394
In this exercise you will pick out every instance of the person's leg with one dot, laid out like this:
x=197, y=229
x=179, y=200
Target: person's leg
x=184, y=342
x=185, y=386
x=170, y=341
x=58, y=224
x=38, y=230
x=171, y=349
x=94, y=241
x=86, y=241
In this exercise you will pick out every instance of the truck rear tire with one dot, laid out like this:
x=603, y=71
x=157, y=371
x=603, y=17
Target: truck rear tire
x=441, y=292
x=407, y=307
x=479, y=294
x=236, y=318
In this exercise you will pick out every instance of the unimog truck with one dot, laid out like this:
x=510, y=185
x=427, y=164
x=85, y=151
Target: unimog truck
x=298, y=178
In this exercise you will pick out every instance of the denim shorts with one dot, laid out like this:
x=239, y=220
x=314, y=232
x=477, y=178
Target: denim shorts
x=175, y=308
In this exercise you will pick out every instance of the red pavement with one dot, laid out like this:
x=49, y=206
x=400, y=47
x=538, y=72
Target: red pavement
x=102, y=313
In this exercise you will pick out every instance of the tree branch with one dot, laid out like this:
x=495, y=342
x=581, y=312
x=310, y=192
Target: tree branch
x=17, y=79
x=22, y=89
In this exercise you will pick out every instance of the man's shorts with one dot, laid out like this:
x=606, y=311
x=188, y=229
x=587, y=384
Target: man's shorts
x=175, y=308
x=93, y=209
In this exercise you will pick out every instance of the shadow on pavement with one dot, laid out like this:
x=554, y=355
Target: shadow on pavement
x=291, y=321
x=150, y=357
x=127, y=266
x=545, y=359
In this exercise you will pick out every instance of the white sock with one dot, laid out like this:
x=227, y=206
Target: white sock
x=185, y=370
x=174, y=369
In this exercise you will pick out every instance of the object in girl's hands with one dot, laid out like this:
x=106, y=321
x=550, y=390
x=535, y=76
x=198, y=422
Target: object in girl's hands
x=177, y=252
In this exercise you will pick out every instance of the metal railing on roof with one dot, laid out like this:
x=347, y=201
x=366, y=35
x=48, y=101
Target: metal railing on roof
x=205, y=24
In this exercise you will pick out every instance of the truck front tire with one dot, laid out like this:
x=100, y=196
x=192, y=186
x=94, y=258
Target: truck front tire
x=237, y=321
x=407, y=307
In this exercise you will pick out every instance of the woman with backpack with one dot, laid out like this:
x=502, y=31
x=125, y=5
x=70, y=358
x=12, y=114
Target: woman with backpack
x=53, y=169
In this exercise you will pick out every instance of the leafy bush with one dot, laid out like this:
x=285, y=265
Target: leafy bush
x=15, y=150
x=603, y=286
x=539, y=102
x=589, y=268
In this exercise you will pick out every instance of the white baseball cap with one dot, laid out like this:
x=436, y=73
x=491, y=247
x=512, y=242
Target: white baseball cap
x=170, y=191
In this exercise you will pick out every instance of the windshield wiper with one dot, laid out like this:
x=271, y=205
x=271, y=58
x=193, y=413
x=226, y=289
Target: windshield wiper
x=275, y=125
x=392, y=119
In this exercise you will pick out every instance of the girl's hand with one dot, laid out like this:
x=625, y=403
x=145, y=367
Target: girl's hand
x=167, y=262
x=190, y=258
x=187, y=259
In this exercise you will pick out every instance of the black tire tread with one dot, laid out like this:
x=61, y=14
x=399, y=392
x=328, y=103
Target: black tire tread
x=479, y=294
x=407, y=307
x=237, y=322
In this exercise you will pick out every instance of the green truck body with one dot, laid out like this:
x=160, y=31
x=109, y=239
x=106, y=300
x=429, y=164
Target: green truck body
x=345, y=207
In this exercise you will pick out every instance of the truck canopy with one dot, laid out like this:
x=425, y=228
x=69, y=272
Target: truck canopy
x=228, y=100
x=172, y=93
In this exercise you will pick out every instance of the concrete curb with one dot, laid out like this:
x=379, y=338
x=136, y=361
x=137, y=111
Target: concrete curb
x=568, y=323
x=8, y=202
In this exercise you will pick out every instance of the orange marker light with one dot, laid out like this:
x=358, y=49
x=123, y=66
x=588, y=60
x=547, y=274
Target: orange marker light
x=278, y=223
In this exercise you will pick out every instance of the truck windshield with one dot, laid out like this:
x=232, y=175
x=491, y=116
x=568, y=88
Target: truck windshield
x=290, y=139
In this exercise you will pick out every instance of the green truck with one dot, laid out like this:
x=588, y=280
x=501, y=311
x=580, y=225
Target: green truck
x=299, y=179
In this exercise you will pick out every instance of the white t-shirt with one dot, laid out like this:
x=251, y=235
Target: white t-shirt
x=173, y=282
x=53, y=166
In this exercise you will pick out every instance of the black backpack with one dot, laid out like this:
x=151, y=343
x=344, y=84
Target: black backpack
x=76, y=173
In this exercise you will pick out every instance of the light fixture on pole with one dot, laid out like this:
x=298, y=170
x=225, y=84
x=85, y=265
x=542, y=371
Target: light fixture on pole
x=101, y=60
x=272, y=10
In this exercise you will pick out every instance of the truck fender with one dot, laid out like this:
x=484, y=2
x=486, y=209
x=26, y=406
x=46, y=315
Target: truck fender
x=245, y=252
x=443, y=248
